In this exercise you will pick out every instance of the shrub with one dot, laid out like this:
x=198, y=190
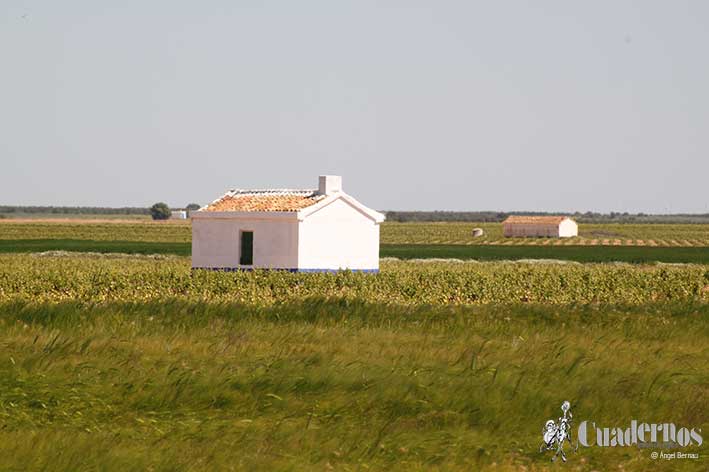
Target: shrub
x=160, y=211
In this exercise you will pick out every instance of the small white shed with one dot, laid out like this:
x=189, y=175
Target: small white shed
x=314, y=230
x=178, y=214
x=539, y=226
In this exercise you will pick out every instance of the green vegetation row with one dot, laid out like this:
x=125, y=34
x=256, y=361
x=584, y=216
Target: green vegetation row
x=597, y=254
x=696, y=255
x=339, y=384
x=10, y=246
x=99, y=279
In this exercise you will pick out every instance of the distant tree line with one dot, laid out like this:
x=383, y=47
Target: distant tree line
x=587, y=217
x=67, y=210
x=411, y=216
x=400, y=216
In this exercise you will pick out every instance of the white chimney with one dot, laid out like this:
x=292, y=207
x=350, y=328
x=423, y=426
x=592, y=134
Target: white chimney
x=329, y=184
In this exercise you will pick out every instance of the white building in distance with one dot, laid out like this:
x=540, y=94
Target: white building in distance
x=539, y=226
x=316, y=230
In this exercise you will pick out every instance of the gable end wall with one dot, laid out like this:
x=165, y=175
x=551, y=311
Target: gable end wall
x=338, y=236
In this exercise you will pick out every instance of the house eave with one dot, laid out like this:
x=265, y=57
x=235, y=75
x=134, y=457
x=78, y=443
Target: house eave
x=368, y=212
x=245, y=215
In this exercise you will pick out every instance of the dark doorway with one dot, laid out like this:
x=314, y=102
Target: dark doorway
x=247, y=248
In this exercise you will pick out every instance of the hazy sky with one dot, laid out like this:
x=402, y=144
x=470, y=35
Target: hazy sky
x=458, y=105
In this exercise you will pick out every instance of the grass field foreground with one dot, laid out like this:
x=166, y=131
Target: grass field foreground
x=344, y=385
x=128, y=362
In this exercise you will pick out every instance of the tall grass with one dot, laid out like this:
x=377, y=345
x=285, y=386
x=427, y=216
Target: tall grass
x=338, y=384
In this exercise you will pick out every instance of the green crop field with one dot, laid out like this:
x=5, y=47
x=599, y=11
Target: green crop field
x=148, y=231
x=101, y=278
x=125, y=359
x=589, y=235
x=642, y=243
x=671, y=235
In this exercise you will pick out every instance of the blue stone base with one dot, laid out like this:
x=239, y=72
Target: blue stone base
x=250, y=269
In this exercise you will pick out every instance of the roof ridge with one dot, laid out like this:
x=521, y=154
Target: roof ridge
x=241, y=191
x=541, y=218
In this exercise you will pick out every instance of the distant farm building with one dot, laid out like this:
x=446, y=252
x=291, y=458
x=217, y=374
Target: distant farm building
x=178, y=214
x=312, y=230
x=539, y=227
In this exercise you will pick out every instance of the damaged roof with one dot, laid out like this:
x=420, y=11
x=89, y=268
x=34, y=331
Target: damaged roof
x=265, y=200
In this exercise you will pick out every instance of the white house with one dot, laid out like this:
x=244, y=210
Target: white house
x=178, y=214
x=315, y=230
x=539, y=226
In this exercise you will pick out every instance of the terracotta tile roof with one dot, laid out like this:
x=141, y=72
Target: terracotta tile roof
x=265, y=200
x=538, y=220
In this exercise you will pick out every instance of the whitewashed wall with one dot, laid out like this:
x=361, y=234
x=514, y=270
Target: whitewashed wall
x=215, y=242
x=568, y=229
x=338, y=236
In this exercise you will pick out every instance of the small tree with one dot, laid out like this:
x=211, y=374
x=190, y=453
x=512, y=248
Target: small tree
x=160, y=211
x=193, y=207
